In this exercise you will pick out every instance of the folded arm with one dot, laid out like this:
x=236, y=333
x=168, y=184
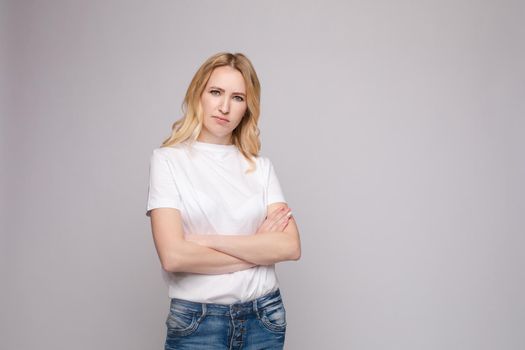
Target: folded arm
x=178, y=255
x=263, y=248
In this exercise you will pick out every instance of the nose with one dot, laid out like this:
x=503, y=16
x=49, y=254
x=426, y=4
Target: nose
x=224, y=106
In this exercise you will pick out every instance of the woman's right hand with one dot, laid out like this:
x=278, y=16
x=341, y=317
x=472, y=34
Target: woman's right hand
x=276, y=221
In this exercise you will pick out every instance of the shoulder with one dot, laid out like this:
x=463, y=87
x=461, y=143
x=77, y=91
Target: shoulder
x=265, y=167
x=167, y=152
x=261, y=159
x=263, y=163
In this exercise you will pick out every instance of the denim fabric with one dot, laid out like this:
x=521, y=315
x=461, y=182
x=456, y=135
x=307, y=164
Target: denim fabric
x=252, y=325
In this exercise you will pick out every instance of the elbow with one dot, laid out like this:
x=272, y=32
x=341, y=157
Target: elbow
x=295, y=252
x=171, y=263
x=168, y=266
x=176, y=258
x=296, y=255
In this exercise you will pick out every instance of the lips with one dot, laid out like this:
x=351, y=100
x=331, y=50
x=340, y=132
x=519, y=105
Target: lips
x=221, y=118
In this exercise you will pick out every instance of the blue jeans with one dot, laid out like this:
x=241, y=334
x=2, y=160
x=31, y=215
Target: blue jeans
x=252, y=325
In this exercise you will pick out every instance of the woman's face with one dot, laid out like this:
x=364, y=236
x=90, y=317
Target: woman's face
x=223, y=103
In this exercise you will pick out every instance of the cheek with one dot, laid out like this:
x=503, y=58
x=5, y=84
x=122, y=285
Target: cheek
x=241, y=110
x=205, y=104
x=240, y=115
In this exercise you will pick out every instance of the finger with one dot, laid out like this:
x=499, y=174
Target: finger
x=286, y=221
x=288, y=215
x=265, y=226
x=283, y=220
x=284, y=224
x=285, y=213
x=276, y=223
x=275, y=217
x=277, y=212
x=273, y=226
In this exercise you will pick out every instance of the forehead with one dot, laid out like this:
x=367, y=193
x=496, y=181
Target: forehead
x=227, y=78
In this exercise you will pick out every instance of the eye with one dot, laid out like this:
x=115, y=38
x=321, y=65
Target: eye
x=215, y=91
x=239, y=98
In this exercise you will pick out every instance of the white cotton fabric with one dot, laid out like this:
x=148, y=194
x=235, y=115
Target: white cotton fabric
x=207, y=183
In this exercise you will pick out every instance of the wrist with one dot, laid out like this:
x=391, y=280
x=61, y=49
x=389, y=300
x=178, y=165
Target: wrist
x=209, y=240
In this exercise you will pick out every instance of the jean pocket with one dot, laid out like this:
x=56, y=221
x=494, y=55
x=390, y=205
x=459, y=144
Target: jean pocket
x=181, y=321
x=273, y=316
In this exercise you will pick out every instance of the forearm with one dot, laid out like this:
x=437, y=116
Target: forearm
x=260, y=249
x=195, y=258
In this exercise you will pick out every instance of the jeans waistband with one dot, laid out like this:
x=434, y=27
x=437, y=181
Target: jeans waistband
x=236, y=309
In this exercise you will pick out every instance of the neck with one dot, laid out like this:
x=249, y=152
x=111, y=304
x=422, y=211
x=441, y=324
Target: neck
x=227, y=140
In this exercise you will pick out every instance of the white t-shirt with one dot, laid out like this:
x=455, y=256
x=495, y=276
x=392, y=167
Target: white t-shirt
x=207, y=183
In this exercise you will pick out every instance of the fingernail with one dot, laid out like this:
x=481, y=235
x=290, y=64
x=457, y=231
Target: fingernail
x=289, y=213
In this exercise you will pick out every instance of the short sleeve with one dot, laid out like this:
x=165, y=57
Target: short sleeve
x=162, y=189
x=274, y=191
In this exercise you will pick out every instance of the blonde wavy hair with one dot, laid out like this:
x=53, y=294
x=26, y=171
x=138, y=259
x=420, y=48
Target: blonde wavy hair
x=246, y=135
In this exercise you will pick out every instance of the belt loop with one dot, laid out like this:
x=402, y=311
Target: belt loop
x=204, y=309
x=255, y=308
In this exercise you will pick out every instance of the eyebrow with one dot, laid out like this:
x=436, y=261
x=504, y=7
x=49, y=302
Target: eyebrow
x=235, y=93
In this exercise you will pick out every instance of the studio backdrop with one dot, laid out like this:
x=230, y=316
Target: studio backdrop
x=396, y=129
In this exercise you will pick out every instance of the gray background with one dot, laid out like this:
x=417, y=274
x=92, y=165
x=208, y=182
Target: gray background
x=395, y=127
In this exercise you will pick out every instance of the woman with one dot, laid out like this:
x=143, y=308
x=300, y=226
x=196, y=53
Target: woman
x=219, y=218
